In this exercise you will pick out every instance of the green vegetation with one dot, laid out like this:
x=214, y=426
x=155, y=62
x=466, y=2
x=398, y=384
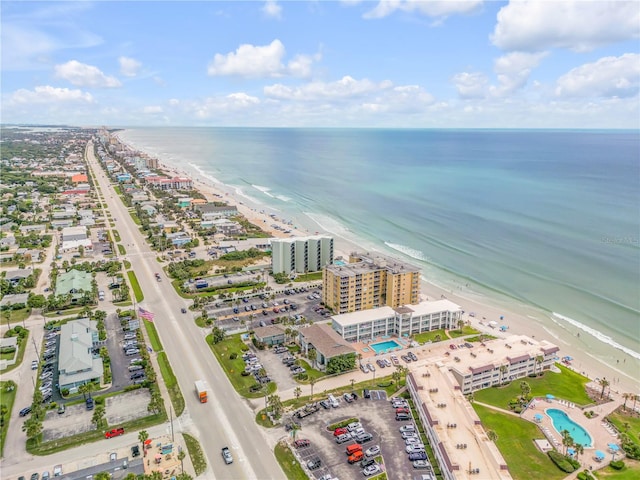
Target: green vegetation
x=12, y=317
x=252, y=253
x=177, y=400
x=127, y=264
x=152, y=333
x=567, y=385
x=432, y=336
x=7, y=397
x=135, y=218
x=233, y=367
x=117, y=189
x=633, y=430
x=342, y=424
x=309, y=277
x=466, y=330
x=288, y=462
x=121, y=249
x=133, y=280
x=630, y=471
x=23, y=336
x=116, y=236
x=311, y=373
x=515, y=443
x=483, y=337
x=198, y=459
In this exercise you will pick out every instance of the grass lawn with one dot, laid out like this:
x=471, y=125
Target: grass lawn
x=134, y=217
x=172, y=384
x=198, y=459
x=631, y=471
x=515, y=442
x=15, y=317
x=619, y=419
x=22, y=347
x=311, y=372
x=127, y=264
x=234, y=368
x=309, y=277
x=432, y=336
x=287, y=460
x=133, y=280
x=6, y=399
x=567, y=385
x=466, y=330
x=121, y=249
x=116, y=236
x=117, y=189
x=152, y=333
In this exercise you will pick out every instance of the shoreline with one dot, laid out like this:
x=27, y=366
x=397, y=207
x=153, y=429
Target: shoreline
x=521, y=319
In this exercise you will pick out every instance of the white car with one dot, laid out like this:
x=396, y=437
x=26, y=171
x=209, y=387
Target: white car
x=371, y=470
x=407, y=428
x=354, y=426
x=406, y=435
x=373, y=451
x=415, y=448
x=412, y=441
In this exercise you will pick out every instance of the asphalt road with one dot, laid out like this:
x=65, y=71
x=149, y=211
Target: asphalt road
x=225, y=420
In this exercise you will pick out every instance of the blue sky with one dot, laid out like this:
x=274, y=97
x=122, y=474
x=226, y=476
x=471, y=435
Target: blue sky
x=397, y=63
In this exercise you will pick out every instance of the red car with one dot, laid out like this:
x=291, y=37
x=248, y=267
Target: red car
x=339, y=431
x=303, y=442
x=114, y=433
x=402, y=410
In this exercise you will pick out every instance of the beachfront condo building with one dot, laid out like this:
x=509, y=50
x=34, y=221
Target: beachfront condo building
x=301, y=254
x=404, y=321
x=369, y=281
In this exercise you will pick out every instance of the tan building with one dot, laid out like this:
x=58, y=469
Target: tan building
x=370, y=281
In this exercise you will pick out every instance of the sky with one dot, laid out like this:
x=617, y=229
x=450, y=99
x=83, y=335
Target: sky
x=391, y=64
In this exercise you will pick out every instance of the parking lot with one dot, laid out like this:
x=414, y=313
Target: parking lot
x=377, y=416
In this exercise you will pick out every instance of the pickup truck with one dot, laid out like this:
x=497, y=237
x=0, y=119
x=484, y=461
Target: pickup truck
x=226, y=455
x=114, y=433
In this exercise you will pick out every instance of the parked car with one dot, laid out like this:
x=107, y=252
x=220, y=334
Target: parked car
x=366, y=393
x=89, y=403
x=61, y=409
x=421, y=464
x=373, y=451
x=135, y=451
x=406, y=435
x=364, y=437
x=25, y=411
x=114, y=432
x=325, y=404
x=226, y=455
x=345, y=437
x=417, y=456
x=403, y=417
x=371, y=470
x=407, y=428
x=314, y=463
x=339, y=431
x=302, y=442
x=416, y=447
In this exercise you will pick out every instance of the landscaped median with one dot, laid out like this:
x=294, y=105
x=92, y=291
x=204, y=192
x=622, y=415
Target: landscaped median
x=9, y=391
x=133, y=280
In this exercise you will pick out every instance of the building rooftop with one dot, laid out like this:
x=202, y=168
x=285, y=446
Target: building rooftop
x=364, y=262
x=423, y=308
x=326, y=340
x=268, y=331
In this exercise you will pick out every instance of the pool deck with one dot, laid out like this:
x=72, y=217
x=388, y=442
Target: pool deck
x=600, y=434
x=367, y=352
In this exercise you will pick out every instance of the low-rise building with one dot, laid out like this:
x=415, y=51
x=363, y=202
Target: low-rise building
x=327, y=343
x=78, y=364
x=74, y=282
x=270, y=335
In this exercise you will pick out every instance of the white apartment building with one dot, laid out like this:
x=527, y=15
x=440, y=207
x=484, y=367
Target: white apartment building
x=401, y=321
x=301, y=254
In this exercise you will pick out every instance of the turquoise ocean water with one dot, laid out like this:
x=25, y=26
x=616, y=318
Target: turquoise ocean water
x=547, y=220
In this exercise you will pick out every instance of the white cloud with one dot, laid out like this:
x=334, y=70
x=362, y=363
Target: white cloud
x=129, y=67
x=607, y=77
x=470, y=85
x=153, y=109
x=83, y=75
x=271, y=9
x=261, y=61
x=513, y=71
x=214, y=107
x=434, y=9
x=344, y=88
x=534, y=25
x=48, y=94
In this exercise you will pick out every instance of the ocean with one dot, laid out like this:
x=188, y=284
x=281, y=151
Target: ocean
x=545, y=220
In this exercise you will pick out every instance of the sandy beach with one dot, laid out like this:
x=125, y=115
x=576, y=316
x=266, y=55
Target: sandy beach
x=622, y=380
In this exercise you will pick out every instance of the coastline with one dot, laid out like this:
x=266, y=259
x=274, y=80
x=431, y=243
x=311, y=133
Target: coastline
x=520, y=319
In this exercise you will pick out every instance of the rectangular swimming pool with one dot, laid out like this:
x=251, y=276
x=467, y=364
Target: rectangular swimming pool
x=384, y=346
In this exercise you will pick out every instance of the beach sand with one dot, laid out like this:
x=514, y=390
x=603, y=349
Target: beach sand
x=623, y=380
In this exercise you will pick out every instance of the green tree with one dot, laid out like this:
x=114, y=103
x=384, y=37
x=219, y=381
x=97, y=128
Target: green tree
x=143, y=435
x=297, y=392
x=604, y=383
x=492, y=435
x=276, y=405
x=525, y=388
x=312, y=355
x=312, y=382
x=33, y=428
x=36, y=301
x=218, y=334
x=295, y=428
x=98, y=417
x=102, y=476
x=567, y=440
x=181, y=457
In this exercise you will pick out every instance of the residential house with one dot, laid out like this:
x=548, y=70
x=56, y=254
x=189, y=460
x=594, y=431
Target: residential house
x=79, y=361
x=269, y=335
x=74, y=282
x=327, y=343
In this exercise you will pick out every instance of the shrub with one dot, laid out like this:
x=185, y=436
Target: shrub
x=233, y=356
x=617, y=465
x=585, y=475
x=561, y=461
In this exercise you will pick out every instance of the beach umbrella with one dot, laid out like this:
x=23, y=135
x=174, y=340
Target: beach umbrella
x=501, y=317
x=599, y=454
x=550, y=397
x=571, y=451
x=537, y=417
x=147, y=441
x=613, y=447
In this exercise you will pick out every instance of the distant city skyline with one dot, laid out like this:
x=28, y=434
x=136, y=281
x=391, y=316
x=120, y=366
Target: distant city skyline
x=396, y=63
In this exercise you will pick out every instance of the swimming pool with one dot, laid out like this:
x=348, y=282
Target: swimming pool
x=562, y=421
x=384, y=346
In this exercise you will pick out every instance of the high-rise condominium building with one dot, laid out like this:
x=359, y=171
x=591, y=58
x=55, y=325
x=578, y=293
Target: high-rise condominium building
x=301, y=254
x=370, y=281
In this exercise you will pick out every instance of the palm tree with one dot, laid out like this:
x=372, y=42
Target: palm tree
x=359, y=359
x=98, y=415
x=567, y=440
x=181, y=456
x=539, y=360
x=626, y=397
x=312, y=354
x=525, y=388
x=353, y=381
x=295, y=428
x=635, y=399
x=503, y=370
x=604, y=383
x=297, y=392
x=142, y=436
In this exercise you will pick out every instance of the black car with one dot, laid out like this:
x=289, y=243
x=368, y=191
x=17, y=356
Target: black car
x=314, y=463
x=25, y=411
x=89, y=403
x=183, y=310
x=136, y=375
x=366, y=393
x=135, y=451
x=35, y=476
x=325, y=404
x=417, y=456
x=367, y=461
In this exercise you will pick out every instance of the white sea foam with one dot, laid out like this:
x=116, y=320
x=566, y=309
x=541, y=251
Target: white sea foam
x=410, y=252
x=204, y=174
x=240, y=193
x=597, y=334
x=262, y=189
x=284, y=198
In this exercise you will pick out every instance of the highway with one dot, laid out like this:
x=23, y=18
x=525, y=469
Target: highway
x=227, y=419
